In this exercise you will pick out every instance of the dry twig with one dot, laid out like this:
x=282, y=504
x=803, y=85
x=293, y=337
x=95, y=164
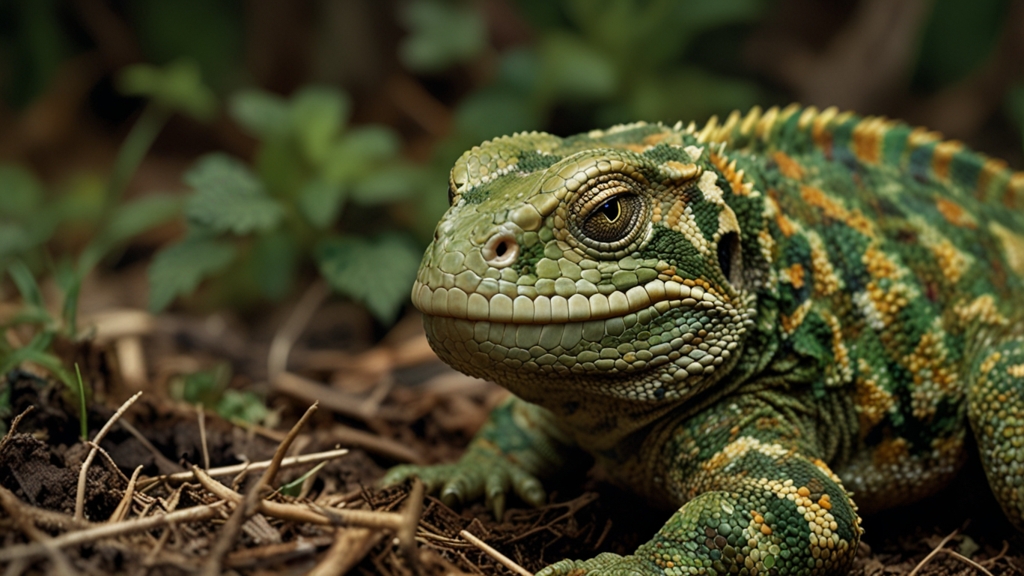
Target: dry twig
x=251, y=503
x=234, y=469
x=284, y=339
x=501, y=558
x=933, y=552
x=101, y=531
x=82, y=475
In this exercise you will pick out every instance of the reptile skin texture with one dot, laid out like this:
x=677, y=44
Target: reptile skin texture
x=747, y=322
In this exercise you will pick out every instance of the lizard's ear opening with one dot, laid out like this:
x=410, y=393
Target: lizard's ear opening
x=729, y=257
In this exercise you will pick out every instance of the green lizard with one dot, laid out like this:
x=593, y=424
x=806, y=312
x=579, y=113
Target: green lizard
x=748, y=322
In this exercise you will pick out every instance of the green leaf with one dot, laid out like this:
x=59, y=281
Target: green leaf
x=229, y=197
x=294, y=488
x=179, y=268
x=396, y=182
x=320, y=202
x=274, y=258
x=177, y=86
x=261, y=113
x=22, y=193
x=26, y=284
x=359, y=152
x=440, y=34
x=379, y=273
x=127, y=221
x=318, y=114
x=203, y=387
x=245, y=406
x=35, y=351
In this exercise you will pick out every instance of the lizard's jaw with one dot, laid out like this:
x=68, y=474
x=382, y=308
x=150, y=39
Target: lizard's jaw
x=648, y=353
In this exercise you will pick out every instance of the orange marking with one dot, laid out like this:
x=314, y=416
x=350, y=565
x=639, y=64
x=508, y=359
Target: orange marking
x=867, y=140
x=825, y=502
x=656, y=138
x=891, y=451
x=879, y=264
x=796, y=275
x=955, y=214
x=1014, y=190
x=790, y=168
x=766, y=530
x=803, y=491
x=733, y=177
x=942, y=157
x=832, y=209
x=992, y=168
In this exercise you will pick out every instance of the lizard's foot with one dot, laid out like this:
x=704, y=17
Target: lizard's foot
x=478, y=473
x=605, y=564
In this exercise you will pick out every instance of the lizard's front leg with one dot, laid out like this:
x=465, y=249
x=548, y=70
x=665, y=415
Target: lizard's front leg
x=517, y=446
x=754, y=504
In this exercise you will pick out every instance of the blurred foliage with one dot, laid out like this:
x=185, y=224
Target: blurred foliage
x=320, y=193
x=209, y=389
x=255, y=226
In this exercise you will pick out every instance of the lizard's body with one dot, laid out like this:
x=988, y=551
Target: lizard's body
x=733, y=319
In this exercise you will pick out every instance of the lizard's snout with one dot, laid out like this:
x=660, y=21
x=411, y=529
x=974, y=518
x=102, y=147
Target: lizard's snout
x=501, y=249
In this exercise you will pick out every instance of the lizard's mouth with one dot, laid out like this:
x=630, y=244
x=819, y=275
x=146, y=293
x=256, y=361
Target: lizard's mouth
x=455, y=303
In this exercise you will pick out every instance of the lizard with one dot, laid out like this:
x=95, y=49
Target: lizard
x=770, y=324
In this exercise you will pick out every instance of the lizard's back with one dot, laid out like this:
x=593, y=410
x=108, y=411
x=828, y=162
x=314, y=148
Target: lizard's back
x=896, y=254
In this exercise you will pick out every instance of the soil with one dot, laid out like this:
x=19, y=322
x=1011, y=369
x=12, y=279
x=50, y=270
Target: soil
x=392, y=402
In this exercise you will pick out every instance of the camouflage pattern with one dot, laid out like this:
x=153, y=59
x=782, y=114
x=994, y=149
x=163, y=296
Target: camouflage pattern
x=747, y=321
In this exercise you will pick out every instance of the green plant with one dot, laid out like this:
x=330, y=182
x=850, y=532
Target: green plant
x=252, y=227
x=209, y=388
x=31, y=217
x=83, y=418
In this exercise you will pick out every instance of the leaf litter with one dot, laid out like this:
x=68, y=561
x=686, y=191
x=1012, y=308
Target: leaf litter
x=174, y=489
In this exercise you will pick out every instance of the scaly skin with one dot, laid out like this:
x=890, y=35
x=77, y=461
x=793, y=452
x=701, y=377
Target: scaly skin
x=747, y=322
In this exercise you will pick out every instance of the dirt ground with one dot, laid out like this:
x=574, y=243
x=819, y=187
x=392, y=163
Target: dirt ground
x=147, y=506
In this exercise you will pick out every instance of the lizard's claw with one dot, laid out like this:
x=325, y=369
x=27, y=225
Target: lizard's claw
x=478, y=473
x=606, y=564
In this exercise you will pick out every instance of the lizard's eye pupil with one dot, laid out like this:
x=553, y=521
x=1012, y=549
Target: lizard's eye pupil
x=615, y=219
x=610, y=210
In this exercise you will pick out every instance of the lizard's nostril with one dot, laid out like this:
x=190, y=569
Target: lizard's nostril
x=501, y=249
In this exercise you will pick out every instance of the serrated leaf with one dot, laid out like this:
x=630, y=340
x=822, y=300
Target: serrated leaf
x=318, y=114
x=396, y=182
x=229, y=197
x=440, y=34
x=320, y=202
x=379, y=273
x=273, y=259
x=359, y=152
x=178, y=269
x=177, y=86
x=261, y=113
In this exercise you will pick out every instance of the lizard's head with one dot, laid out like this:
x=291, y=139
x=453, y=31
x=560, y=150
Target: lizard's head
x=605, y=263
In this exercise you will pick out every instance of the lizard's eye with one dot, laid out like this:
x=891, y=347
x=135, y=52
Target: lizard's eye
x=613, y=219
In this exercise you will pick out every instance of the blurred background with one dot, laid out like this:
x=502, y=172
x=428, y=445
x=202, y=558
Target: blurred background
x=222, y=154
